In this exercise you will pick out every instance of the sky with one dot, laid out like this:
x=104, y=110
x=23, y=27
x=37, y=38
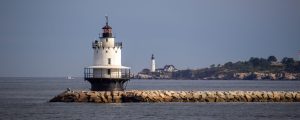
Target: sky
x=52, y=38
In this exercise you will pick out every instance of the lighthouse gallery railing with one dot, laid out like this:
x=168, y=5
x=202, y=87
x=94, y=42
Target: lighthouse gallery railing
x=99, y=44
x=102, y=73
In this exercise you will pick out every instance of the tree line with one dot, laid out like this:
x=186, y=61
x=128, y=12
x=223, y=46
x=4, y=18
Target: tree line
x=254, y=64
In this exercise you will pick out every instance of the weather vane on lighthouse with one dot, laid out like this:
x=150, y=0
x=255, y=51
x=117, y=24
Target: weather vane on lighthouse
x=106, y=17
x=107, y=72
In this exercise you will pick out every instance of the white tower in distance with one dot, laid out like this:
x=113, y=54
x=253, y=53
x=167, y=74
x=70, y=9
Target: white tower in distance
x=107, y=72
x=152, y=63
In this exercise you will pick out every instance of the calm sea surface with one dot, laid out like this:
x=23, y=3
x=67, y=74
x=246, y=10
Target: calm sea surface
x=27, y=98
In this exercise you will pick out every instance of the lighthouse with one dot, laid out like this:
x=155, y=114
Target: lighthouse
x=152, y=63
x=107, y=72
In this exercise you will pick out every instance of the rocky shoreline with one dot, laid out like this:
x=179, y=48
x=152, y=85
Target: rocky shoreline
x=176, y=96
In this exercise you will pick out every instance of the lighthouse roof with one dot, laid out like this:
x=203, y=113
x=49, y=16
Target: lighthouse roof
x=106, y=27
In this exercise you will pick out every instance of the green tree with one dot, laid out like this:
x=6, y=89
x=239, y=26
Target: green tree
x=228, y=65
x=254, y=61
x=289, y=64
x=288, y=61
x=272, y=59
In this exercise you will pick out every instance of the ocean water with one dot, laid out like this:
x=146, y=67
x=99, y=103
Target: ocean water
x=27, y=98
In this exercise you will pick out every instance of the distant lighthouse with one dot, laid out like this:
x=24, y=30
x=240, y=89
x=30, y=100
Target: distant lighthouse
x=107, y=72
x=152, y=63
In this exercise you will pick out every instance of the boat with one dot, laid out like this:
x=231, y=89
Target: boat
x=69, y=77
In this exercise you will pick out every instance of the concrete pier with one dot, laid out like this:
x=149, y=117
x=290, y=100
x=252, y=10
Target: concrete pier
x=176, y=96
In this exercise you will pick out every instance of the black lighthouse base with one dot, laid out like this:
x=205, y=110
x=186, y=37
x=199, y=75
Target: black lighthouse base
x=107, y=84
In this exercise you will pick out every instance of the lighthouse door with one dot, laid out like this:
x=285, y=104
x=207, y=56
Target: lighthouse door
x=108, y=71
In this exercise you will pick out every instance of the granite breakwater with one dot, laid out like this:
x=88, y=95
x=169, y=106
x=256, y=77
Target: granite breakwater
x=176, y=96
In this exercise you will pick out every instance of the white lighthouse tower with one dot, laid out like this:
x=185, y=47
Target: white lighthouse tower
x=107, y=72
x=152, y=63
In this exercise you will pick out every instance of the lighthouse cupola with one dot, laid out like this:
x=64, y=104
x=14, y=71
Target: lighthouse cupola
x=107, y=30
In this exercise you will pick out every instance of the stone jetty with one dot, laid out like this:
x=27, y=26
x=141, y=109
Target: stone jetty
x=176, y=96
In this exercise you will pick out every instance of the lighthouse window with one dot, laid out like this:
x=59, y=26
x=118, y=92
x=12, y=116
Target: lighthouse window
x=116, y=51
x=106, y=51
x=106, y=40
x=109, y=61
x=108, y=71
